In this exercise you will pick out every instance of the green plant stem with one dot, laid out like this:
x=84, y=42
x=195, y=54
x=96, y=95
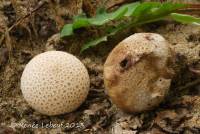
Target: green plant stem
x=133, y=24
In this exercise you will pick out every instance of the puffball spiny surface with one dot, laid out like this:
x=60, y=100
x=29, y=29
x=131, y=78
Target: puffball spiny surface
x=137, y=73
x=55, y=82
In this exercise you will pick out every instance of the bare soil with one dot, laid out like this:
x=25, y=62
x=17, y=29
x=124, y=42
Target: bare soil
x=28, y=28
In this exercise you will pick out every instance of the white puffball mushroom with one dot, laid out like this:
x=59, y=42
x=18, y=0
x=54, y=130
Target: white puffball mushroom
x=54, y=83
x=137, y=73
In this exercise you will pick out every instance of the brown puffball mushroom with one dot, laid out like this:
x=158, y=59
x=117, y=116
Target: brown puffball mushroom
x=55, y=82
x=137, y=75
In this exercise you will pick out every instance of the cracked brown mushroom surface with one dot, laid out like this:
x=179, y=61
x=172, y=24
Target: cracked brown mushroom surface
x=137, y=75
x=55, y=82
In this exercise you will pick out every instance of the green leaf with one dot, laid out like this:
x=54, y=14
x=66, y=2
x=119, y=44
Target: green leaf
x=138, y=13
x=169, y=7
x=106, y=17
x=146, y=13
x=80, y=22
x=154, y=10
x=144, y=8
x=93, y=43
x=185, y=19
x=67, y=30
x=131, y=8
x=165, y=9
x=100, y=19
x=112, y=31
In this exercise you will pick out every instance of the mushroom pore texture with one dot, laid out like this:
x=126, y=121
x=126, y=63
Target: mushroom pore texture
x=137, y=73
x=55, y=82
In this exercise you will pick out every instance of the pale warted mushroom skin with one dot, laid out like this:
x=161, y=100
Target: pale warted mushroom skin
x=137, y=73
x=54, y=83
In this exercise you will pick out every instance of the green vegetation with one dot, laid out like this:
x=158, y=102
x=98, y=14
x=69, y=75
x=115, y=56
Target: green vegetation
x=135, y=14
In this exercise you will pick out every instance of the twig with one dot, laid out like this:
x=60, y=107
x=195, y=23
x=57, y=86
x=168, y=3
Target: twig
x=193, y=5
x=190, y=84
x=196, y=71
x=192, y=9
x=2, y=38
x=40, y=4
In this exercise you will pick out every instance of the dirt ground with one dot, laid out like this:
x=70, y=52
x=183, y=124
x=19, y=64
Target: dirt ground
x=28, y=28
